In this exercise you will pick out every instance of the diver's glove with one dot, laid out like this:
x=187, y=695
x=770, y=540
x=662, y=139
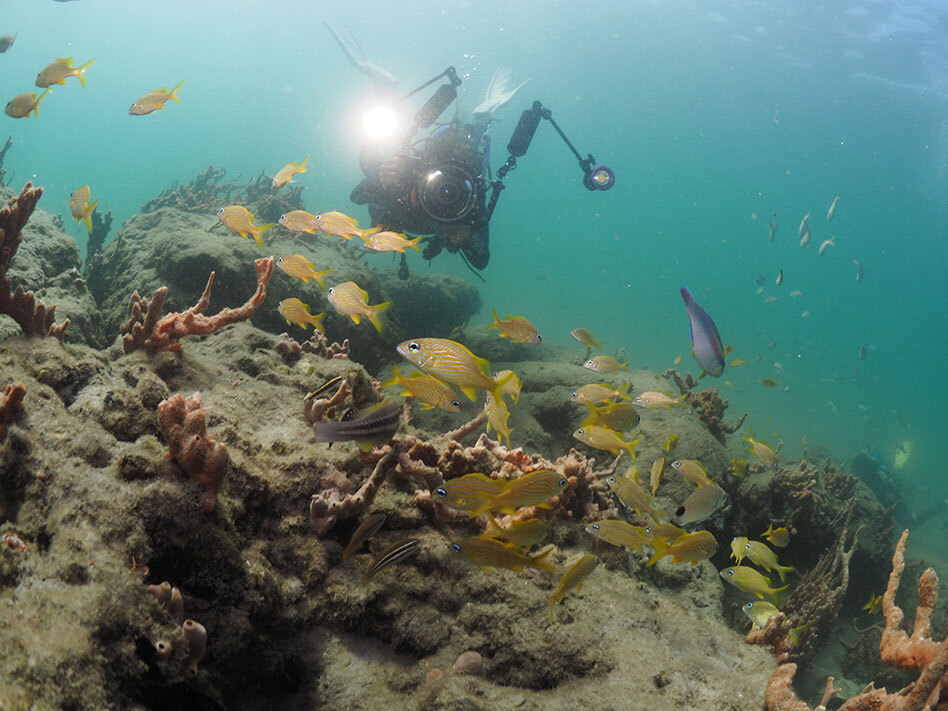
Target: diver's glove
x=433, y=247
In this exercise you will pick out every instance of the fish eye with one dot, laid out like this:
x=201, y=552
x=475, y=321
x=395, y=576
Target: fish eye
x=318, y=217
x=441, y=492
x=730, y=572
x=749, y=606
x=612, y=480
x=589, y=361
x=575, y=394
x=580, y=431
x=280, y=260
x=676, y=463
x=331, y=289
x=564, y=481
x=282, y=217
x=598, y=561
x=539, y=337
x=280, y=305
x=456, y=547
x=456, y=403
x=221, y=211
x=595, y=526
x=648, y=529
x=414, y=346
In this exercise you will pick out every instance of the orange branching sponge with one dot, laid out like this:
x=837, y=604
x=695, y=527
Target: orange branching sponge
x=147, y=328
x=33, y=316
x=915, y=651
x=11, y=403
x=183, y=424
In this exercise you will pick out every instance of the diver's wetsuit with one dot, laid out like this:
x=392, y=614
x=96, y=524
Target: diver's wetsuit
x=398, y=207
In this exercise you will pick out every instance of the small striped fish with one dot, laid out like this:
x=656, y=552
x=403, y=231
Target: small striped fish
x=690, y=548
x=451, y=362
x=749, y=580
x=619, y=533
x=298, y=221
x=374, y=425
x=351, y=300
x=633, y=496
x=533, y=489
x=573, y=579
x=486, y=552
x=618, y=416
x=469, y=492
x=497, y=416
x=604, y=438
x=364, y=532
x=395, y=553
x=523, y=533
x=605, y=364
x=430, y=391
x=693, y=470
x=762, y=554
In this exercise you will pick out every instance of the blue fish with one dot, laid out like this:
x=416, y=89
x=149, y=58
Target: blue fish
x=705, y=340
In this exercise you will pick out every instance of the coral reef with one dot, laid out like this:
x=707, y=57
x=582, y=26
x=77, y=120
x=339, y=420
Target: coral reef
x=915, y=652
x=708, y=404
x=147, y=329
x=32, y=315
x=11, y=404
x=291, y=349
x=184, y=426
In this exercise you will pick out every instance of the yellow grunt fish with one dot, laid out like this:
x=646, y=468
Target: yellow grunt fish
x=285, y=174
x=780, y=537
x=389, y=241
x=154, y=100
x=693, y=471
x=765, y=454
x=664, y=530
x=760, y=612
x=739, y=548
x=573, y=579
x=296, y=265
x=516, y=328
x=604, y=364
x=430, y=392
x=80, y=207
x=585, y=337
x=351, y=300
x=655, y=478
x=239, y=221
x=689, y=548
x=486, y=552
x=340, y=225
x=298, y=221
x=618, y=416
x=749, y=580
x=604, y=438
x=737, y=362
x=451, y=362
x=594, y=394
x=469, y=492
x=620, y=533
x=533, y=489
x=524, y=533
x=633, y=496
x=763, y=556
x=769, y=383
x=497, y=416
x=24, y=104
x=511, y=384
x=295, y=311
x=670, y=443
x=655, y=400
x=739, y=467
x=57, y=72
x=874, y=604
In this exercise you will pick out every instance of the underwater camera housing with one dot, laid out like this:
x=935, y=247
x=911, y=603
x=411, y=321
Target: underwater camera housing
x=448, y=192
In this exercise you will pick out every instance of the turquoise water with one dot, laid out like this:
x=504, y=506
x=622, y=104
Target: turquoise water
x=713, y=115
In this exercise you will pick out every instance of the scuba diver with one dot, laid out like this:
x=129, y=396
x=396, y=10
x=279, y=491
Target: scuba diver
x=441, y=185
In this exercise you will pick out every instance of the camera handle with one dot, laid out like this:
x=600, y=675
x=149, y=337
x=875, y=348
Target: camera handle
x=520, y=142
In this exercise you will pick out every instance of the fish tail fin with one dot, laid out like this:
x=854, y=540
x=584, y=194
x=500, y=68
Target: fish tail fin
x=36, y=106
x=366, y=238
x=592, y=418
x=622, y=366
x=317, y=322
x=173, y=95
x=540, y=560
x=301, y=168
x=630, y=447
x=680, y=400
x=598, y=345
x=775, y=594
x=394, y=379
x=493, y=528
x=624, y=390
x=782, y=570
x=508, y=433
x=81, y=70
x=486, y=504
x=257, y=238
x=496, y=323
x=362, y=233
x=264, y=228
x=375, y=312
x=661, y=550
x=413, y=243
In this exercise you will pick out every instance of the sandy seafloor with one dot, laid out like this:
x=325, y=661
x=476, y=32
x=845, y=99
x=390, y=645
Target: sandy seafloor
x=85, y=481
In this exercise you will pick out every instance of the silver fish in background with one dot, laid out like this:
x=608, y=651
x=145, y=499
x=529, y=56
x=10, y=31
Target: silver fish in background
x=374, y=425
x=780, y=278
x=826, y=244
x=832, y=210
x=773, y=227
x=805, y=238
x=863, y=351
x=804, y=227
x=858, y=269
x=705, y=340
